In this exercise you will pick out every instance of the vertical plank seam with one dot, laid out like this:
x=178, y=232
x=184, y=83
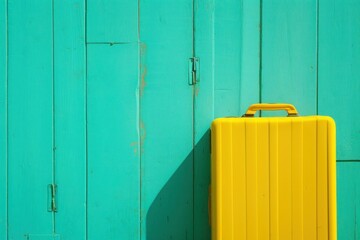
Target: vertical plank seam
x=241, y=56
x=53, y=108
x=7, y=118
x=139, y=124
x=260, y=52
x=317, y=56
x=86, y=124
x=193, y=123
x=213, y=58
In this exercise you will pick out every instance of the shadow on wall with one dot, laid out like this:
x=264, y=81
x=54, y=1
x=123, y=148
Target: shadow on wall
x=171, y=215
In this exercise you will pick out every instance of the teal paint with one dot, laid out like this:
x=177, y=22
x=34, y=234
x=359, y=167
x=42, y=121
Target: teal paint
x=3, y=120
x=30, y=117
x=166, y=120
x=131, y=136
x=70, y=118
x=348, y=200
x=227, y=56
x=203, y=114
x=250, y=54
x=113, y=157
x=42, y=237
x=112, y=21
x=288, y=71
x=339, y=74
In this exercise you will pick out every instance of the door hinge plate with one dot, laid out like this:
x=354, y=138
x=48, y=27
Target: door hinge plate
x=52, y=205
x=194, y=70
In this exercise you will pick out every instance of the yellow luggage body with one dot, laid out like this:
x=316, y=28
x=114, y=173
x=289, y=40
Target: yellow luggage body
x=273, y=177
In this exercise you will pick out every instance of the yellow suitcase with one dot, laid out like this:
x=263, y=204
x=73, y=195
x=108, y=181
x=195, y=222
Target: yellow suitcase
x=273, y=177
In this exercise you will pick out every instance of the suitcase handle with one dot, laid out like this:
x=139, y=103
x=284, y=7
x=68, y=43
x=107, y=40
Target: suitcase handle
x=291, y=110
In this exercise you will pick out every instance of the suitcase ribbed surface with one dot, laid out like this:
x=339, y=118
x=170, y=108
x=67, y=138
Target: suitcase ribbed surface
x=273, y=178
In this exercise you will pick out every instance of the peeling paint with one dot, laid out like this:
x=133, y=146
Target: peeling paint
x=134, y=145
x=142, y=135
x=197, y=89
x=142, y=80
x=143, y=68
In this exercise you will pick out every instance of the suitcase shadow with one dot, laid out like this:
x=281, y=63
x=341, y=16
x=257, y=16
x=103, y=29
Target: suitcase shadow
x=183, y=201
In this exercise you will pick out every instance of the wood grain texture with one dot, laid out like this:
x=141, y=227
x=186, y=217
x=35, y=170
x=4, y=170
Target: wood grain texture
x=166, y=120
x=113, y=154
x=348, y=200
x=339, y=74
x=288, y=71
x=227, y=57
x=3, y=120
x=204, y=113
x=112, y=21
x=70, y=121
x=250, y=54
x=30, y=128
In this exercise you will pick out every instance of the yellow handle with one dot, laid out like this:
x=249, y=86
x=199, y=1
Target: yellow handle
x=291, y=110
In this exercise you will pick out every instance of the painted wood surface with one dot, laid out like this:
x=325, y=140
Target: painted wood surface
x=204, y=113
x=3, y=120
x=348, y=200
x=288, y=54
x=339, y=72
x=114, y=120
x=70, y=118
x=113, y=188
x=227, y=56
x=30, y=117
x=166, y=120
x=112, y=21
x=250, y=54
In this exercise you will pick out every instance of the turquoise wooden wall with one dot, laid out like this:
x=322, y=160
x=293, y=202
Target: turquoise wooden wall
x=94, y=97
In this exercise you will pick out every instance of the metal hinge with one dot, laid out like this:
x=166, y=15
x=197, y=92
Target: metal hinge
x=52, y=198
x=194, y=70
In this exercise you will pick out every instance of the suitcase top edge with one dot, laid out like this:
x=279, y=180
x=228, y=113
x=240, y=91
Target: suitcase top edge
x=218, y=121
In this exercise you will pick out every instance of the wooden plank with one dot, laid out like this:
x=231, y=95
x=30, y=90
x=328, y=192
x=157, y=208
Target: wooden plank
x=113, y=154
x=204, y=114
x=30, y=111
x=339, y=85
x=250, y=54
x=70, y=122
x=227, y=58
x=166, y=120
x=289, y=54
x=3, y=120
x=112, y=21
x=348, y=199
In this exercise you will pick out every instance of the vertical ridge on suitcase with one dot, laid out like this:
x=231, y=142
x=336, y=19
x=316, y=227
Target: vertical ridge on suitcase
x=273, y=178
